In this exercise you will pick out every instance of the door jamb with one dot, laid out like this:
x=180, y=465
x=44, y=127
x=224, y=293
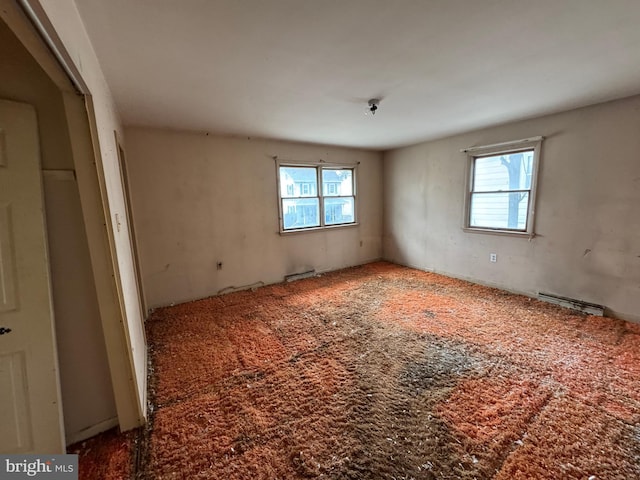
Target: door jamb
x=96, y=213
x=133, y=240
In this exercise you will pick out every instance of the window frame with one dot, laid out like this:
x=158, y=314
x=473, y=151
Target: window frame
x=319, y=194
x=528, y=144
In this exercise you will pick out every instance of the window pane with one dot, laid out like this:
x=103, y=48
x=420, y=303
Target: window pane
x=298, y=182
x=337, y=182
x=300, y=213
x=510, y=171
x=499, y=210
x=338, y=210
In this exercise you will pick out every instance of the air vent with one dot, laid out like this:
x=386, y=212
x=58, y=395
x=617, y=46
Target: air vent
x=590, y=308
x=299, y=276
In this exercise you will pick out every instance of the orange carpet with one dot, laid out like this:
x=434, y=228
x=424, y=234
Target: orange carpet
x=383, y=372
x=107, y=456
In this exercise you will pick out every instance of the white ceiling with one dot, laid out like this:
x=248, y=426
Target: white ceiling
x=303, y=70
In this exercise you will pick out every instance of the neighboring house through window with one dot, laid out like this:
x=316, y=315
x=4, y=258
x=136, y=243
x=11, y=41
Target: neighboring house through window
x=316, y=196
x=501, y=187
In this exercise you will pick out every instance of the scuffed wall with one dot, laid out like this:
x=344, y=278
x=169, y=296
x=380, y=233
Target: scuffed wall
x=587, y=222
x=199, y=200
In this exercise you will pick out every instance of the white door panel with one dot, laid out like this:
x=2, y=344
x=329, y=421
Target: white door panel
x=14, y=415
x=7, y=267
x=30, y=410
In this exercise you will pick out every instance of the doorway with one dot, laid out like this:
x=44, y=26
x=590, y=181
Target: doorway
x=93, y=377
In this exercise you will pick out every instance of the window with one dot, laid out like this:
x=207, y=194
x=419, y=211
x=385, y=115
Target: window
x=501, y=187
x=305, y=206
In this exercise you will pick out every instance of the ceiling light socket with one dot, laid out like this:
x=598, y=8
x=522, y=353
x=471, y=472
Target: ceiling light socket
x=373, y=105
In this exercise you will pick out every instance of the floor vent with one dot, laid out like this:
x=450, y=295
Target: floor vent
x=299, y=276
x=590, y=308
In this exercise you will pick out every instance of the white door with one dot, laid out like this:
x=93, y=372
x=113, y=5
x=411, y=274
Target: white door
x=30, y=409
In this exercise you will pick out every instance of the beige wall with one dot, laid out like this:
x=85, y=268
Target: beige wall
x=87, y=393
x=66, y=20
x=22, y=80
x=87, y=396
x=587, y=220
x=199, y=199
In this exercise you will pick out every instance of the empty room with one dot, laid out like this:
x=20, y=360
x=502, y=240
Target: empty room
x=291, y=239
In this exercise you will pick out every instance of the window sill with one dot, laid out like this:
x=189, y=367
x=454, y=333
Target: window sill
x=507, y=233
x=318, y=229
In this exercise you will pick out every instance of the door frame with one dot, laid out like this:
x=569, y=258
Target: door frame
x=29, y=22
x=126, y=190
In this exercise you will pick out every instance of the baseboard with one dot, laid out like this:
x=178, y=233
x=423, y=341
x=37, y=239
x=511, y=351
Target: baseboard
x=607, y=311
x=91, y=431
x=260, y=283
x=351, y=265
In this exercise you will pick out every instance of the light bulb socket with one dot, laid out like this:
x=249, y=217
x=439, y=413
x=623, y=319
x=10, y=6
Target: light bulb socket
x=373, y=105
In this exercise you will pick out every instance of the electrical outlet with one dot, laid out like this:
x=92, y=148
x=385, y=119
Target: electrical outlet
x=493, y=257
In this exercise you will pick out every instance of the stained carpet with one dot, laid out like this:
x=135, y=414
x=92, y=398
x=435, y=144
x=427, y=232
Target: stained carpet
x=385, y=372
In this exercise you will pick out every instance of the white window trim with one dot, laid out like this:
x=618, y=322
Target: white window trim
x=319, y=166
x=534, y=143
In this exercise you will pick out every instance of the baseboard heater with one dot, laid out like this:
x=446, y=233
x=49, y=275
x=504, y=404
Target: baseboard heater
x=299, y=276
x=572, y=303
